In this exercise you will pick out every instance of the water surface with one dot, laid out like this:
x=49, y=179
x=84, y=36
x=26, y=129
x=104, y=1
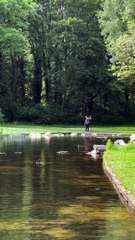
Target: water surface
x=49, y=196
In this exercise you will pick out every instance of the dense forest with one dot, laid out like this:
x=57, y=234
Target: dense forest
x=61, y=60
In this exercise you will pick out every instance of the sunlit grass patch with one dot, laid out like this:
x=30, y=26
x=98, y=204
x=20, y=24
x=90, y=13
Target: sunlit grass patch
x=121, y=160
x=13, y=128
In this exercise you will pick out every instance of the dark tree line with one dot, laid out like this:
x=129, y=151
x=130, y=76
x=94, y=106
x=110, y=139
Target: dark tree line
x=55, y=64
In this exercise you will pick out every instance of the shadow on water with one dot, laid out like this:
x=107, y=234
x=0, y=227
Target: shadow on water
x=49, y=196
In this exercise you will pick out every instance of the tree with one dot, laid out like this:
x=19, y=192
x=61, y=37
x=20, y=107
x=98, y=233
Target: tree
x=53, y=59
x=84, y=54
x=117, y=20
x=14, y=47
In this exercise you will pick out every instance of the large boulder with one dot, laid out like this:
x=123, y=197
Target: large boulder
x=132, y=138
x=120, y=142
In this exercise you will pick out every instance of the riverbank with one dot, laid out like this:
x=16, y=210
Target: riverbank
x=119, y=164
x=125, y=196
x=13, y=128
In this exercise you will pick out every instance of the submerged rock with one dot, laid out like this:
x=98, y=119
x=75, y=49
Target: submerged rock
x=47, y=134
x=17, y=152
x=62, y=152
x=99, y=148
x=35, y=135
x=3, y=153
x=74, y=134
x=93, y=153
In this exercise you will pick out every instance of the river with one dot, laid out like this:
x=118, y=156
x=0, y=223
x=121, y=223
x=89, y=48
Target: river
x=45, y=195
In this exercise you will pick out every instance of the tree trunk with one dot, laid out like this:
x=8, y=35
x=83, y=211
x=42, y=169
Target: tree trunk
x=37, y=82
x=1, y=61
x=22, y=81
x=127, y=102
x=46, y=66
x=14, y=76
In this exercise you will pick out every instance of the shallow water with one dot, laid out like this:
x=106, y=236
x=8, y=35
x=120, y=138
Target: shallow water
x=49, y=196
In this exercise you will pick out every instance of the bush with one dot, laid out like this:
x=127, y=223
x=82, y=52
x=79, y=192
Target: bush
x=47, y=115
x=2, y=117
x=35, y=114
x=108, y=118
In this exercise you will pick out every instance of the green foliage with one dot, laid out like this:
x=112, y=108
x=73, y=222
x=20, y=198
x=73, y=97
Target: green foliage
x=13, y=41
x=46, y=115
x=2, y=118
x=35, y=114
x=52, y=54
x=14, y=24
x=117, y=20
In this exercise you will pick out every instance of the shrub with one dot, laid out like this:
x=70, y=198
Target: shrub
x=35, y=114
x=2, y=117
x=47, y=115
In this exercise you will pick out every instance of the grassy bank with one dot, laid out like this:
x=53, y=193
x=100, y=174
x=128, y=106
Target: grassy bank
x=121, y=160
x=27, y=128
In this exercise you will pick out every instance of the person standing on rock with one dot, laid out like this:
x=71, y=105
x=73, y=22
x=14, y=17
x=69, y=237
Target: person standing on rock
x=87, y=123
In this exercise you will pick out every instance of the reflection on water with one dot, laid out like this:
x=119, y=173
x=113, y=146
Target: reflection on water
x=48, y=196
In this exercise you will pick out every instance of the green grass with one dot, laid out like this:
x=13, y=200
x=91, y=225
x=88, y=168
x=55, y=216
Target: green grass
x=27, y=128
x=121, y=160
